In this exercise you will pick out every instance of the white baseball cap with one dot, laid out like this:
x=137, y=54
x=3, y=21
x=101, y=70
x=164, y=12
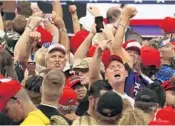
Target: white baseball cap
x=58, y=47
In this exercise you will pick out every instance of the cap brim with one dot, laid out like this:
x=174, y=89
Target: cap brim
x=134, y=48
x=58, y=49
x=80, y=67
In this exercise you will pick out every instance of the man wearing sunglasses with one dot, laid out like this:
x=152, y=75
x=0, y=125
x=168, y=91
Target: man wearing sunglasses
x=16, y=104
x=82, y=70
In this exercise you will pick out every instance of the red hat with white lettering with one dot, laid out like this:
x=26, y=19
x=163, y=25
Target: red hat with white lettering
x=132, y=45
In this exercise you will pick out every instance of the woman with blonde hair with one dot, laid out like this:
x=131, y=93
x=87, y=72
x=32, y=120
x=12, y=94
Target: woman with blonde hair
x=133, y=117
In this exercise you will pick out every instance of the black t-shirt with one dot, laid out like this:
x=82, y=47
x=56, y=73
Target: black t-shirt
x=50, y=111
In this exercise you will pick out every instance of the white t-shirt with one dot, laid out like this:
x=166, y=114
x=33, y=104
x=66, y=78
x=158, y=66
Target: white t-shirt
x=125, y=96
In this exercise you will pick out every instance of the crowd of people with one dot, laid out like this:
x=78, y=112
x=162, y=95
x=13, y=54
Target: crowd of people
x=90, y=78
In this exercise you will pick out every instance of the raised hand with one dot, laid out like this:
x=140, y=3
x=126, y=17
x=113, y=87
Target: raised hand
x=34, y=21
x=130, y=11
x=57, y=19
x=93, y=29
x=103, y=45
x=107, y=33
x=72, y=9
x=34, y=38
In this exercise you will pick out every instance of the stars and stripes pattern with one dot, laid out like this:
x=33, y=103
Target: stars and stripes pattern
x=125, y=1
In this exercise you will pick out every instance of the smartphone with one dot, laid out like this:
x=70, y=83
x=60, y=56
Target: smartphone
x=99, y=24
x=31, y=68
x=9, y=15
x=45, y=6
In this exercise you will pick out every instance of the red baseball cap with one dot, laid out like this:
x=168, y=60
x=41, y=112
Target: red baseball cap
x=8, y=88
x=168, y=25
x=91, y=50
x=167, y=85
x=132, y=45
x=160, y=122
x=167, y=113
x=150, y=56
x=46, y=36
x=69, y=97
x=77, y=39
x=111, y=58
x=72, y=80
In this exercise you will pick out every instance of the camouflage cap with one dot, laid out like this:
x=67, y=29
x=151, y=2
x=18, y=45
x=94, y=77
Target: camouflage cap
x=10, y=40
x=84, y=64
x=159, y=42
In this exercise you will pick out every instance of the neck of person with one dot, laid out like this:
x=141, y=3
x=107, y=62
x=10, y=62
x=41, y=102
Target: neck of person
x=29, y=107
x=91, y=112
x=119, y=88
x=150, y=116
x=50, y=103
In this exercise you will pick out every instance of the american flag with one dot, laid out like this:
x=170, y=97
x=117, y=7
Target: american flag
x=149, y=17
x=125, y=1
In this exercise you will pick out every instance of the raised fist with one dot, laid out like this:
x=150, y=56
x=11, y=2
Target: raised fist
x=72, y=8
x=130, y=11
x=34, y=37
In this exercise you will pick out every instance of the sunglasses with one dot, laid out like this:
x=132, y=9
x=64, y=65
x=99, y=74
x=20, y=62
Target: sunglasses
x=77, y=71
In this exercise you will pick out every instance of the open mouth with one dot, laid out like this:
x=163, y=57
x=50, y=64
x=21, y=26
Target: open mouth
x=117, y=75
x=57, y=65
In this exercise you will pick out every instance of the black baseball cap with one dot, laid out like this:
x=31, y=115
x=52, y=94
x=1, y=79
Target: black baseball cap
x=110, y=104
x=146, y=95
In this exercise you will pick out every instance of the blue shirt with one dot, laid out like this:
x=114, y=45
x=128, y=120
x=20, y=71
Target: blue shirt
x=165, y=73
x=134, y=82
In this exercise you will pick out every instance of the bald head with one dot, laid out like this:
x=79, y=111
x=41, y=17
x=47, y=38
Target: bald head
x=113, y=14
